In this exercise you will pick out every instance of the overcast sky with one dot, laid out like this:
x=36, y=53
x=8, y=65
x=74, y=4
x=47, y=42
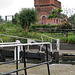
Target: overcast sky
x=10, y=7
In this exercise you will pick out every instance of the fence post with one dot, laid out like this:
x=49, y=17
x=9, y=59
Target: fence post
x=29, y=41
x=17, y=41
x=51, y=47
x=56, y=57
x=58, y=44
x=24, y=56
x=17, y=59
x=47, y=60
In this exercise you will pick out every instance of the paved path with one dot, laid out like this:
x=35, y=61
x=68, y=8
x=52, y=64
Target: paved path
x=55, y=69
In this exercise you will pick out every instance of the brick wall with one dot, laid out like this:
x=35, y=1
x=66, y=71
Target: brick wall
x=44, y=7
x=41, y=2
x=46, y=2
x=50, y=21
x=57, y=3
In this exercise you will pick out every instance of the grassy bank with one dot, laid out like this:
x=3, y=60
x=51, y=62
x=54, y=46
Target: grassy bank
x=16, y=30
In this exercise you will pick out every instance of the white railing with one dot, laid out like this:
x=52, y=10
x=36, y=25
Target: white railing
x=13, y=43
x=57, y=41
x=1, y=40
x=32, y=40
x=19, y=45
x=18, y=37
x=29, y=40
x=8, y=43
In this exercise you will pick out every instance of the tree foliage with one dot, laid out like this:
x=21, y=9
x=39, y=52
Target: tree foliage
x=55, y=13
x=27, y=16
x=72, y=19
x=63, y=15
x=15, y=19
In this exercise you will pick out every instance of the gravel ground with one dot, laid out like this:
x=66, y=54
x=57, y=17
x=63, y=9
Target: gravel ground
x=55, y=69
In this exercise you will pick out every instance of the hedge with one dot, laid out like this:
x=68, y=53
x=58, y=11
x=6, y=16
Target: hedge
x=32, y=27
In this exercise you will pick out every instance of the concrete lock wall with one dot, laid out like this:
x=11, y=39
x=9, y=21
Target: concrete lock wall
x=65, y=46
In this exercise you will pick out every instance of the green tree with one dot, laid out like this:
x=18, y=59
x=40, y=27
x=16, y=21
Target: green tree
x=15, y=19
x=27, y=16
x=72, y=20
x=63, y=15
x=55, y=13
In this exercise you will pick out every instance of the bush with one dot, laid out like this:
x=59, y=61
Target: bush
x=65, y=25
x=44, y=26
x=2, y=28
x=71, y=39
x=33, y=27
x=8, y=24
x=16, y=30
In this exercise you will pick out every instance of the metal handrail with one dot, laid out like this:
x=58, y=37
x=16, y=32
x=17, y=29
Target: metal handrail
x=7, y=43
x=1, y=40
x=16, y=45
x=27, y=67
x=9, y=62
x=47, y=37
x=25, y=44
x=19, y=37
x=57, y=44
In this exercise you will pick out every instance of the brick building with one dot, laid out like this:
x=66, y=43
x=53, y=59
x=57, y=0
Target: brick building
x=44, y=7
